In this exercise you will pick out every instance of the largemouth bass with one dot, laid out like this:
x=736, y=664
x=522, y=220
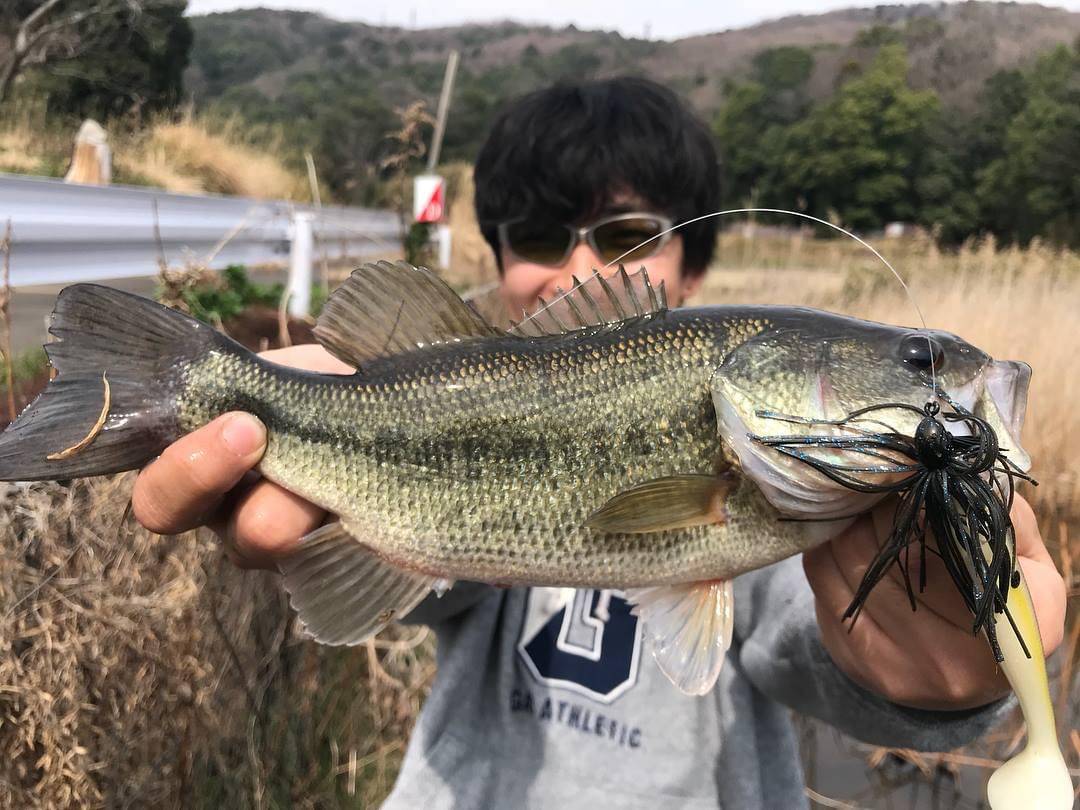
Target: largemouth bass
x=578, y=448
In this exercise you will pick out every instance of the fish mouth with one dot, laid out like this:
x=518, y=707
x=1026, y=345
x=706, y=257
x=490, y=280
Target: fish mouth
x=1002, y=403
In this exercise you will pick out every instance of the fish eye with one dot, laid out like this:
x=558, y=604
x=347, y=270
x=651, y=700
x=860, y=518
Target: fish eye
x=922, y=353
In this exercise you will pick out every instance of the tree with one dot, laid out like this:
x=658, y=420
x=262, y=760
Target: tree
x=103, y=54
x=1032, y=188
x=858, y=155
x=751, y=127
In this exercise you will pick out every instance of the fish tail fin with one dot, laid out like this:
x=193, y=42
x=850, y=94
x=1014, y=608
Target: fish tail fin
x=113, y=405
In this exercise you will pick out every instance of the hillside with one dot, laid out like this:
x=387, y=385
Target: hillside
x=952, y=49
x=332, y=87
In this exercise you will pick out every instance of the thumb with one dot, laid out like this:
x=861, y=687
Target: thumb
x=188, y=481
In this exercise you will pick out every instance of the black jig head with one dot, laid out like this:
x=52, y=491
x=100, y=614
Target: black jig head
x=959, y=488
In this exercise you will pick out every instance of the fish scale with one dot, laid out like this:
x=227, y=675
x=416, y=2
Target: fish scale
x=484, y=460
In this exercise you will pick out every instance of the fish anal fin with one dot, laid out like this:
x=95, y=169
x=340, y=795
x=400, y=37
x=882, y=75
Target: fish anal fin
x=384, y=309
x=672, y=502
x=343, y=592
x=689, y=628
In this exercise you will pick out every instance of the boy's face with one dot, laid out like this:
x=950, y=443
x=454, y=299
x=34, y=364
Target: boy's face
x=523, y=282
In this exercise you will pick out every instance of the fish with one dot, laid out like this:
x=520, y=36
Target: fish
x=604, y=441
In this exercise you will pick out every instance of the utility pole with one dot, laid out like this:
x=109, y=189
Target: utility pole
x=444, y=108
x=429, y=189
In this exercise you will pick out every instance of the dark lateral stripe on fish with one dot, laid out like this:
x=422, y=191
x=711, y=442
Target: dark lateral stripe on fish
x=509, y=448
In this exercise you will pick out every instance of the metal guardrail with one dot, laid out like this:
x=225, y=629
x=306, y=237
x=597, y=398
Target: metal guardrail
x=64, y=233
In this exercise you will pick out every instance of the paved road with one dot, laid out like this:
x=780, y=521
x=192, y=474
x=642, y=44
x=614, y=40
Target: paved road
x=30, y=307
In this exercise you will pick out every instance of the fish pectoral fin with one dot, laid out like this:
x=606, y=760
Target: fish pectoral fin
x=689, y=627
x=385, y=309
x=672, y=502
x=343, y=592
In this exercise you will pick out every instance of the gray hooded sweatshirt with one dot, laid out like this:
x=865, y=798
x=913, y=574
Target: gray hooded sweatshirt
x=548, y=698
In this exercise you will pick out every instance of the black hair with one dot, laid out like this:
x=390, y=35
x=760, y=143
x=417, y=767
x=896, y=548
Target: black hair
x=563, y=152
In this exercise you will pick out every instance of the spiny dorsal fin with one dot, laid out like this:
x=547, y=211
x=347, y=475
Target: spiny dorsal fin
x=597, y=301
x=384, y=309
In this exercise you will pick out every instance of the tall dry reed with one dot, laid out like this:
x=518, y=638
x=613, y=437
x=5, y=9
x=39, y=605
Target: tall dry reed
x=139, y=670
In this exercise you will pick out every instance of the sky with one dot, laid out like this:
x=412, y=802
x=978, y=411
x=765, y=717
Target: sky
x=637, y=18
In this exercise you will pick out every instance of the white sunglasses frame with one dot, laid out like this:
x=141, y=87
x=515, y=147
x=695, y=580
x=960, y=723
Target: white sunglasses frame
x=586, y=234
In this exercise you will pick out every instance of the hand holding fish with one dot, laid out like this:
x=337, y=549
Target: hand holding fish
x=199, y=479
x=935, y=662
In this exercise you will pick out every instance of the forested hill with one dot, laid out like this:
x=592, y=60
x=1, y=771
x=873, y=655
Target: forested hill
x=961, y=117
x=274, y=64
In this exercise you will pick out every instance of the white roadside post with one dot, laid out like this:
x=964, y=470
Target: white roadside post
x=443, y=236
x=298, y=289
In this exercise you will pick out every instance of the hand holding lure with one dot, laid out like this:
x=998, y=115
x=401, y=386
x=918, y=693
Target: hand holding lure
x=959, y=489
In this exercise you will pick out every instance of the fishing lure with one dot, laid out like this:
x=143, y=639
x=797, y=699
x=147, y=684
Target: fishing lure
x=959, y=488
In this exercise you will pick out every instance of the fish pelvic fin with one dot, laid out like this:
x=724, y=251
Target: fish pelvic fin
x=689, y=628
x=671, y=502
x=343, y=592
x=112, y=406
x=384, y=309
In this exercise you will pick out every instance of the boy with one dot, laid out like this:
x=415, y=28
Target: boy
x=545, y=697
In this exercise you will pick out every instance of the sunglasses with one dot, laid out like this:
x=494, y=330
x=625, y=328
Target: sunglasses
x=610, y=238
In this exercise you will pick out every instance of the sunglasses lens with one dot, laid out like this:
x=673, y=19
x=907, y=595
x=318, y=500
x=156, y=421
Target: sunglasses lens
x=613, y=239
x=538, y=242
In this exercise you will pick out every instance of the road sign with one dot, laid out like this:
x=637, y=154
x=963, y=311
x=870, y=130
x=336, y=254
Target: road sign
x=429, y=193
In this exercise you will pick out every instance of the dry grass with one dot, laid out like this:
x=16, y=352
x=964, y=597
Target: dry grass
x=189, y=155
x=471, y=261
x=139, y=670
x=193, y=156
x=17, y=153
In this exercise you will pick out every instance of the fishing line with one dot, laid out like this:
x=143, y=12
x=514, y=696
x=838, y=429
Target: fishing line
x=960, y=486
x=865, y=244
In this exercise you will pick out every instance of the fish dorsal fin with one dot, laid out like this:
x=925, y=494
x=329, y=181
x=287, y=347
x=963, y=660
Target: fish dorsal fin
x=597, y=301
x=384, y=309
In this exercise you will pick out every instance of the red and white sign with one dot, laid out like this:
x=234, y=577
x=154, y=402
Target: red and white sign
x=429, y=191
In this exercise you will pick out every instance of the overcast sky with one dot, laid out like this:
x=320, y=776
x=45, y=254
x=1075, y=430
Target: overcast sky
x=658, y=20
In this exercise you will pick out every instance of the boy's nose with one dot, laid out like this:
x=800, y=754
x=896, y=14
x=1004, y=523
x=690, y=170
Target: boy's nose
x=583, y=262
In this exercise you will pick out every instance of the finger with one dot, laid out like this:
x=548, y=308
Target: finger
x=266, y=525
x=186, y=483
x=1029, y=542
